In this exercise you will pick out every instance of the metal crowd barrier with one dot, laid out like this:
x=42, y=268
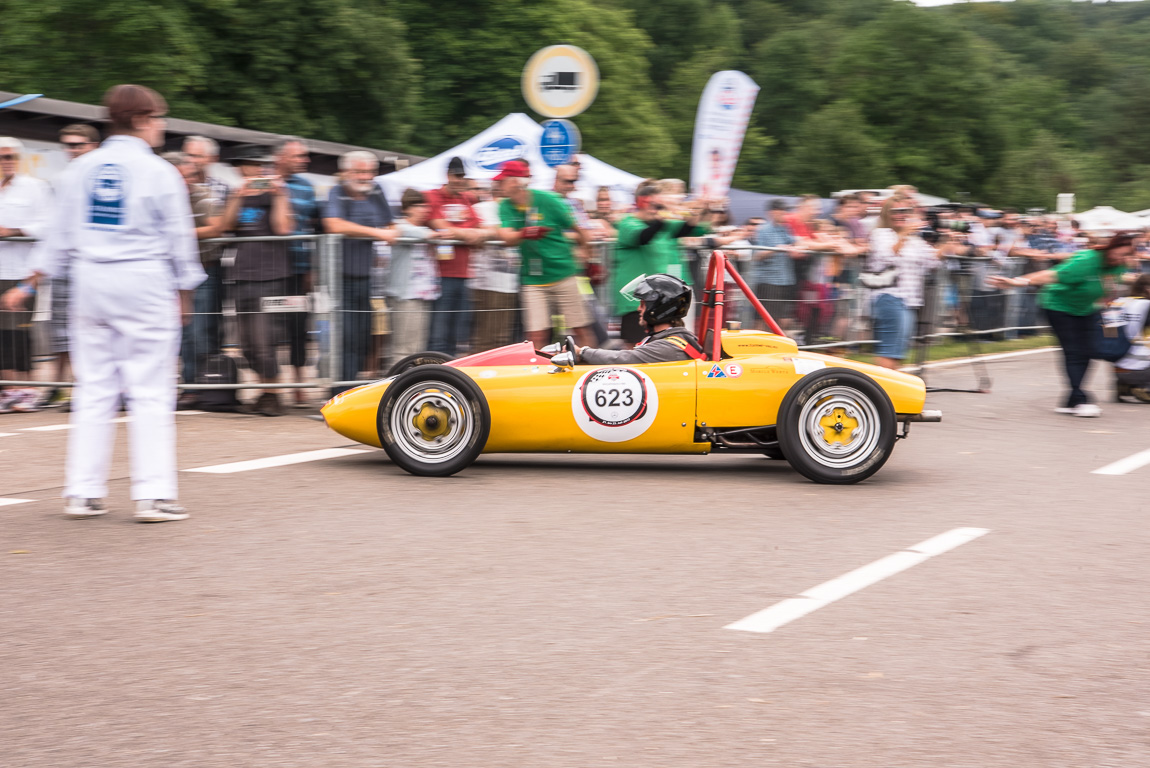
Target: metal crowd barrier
x=304, y=322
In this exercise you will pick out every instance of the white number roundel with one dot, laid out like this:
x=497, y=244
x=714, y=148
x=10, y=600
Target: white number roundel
x=614, y=404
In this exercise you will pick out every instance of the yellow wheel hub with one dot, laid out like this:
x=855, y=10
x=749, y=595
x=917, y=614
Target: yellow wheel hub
x=432, y=422
x=838, y=426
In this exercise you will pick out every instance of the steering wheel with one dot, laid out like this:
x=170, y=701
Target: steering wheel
x=569, y=345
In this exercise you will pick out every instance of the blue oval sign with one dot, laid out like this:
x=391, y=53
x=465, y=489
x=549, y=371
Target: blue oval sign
x=494, y=154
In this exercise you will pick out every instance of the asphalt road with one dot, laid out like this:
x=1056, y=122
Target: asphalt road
x=570, y=611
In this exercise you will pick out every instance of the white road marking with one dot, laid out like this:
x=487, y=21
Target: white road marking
x=1123, y=466
x=836, y=589
x=277, y=461
x=9, y=502
x=8, y=434
x=49, y=428
x=120, y=420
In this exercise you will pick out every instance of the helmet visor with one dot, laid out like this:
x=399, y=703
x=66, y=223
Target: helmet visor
x=628, y=290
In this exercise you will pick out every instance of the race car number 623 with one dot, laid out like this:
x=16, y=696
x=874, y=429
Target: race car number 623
x=614, y=404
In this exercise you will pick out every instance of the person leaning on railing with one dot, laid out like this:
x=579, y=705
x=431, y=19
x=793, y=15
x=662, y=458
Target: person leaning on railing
x=357, y=209
x=895, y=245
x=25, y=202
x=259, y=208
x=1071, y=294
x=537, y=221
x=772, y=272
x=413, y=279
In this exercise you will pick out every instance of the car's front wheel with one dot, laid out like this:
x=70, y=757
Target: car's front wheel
x=433, y=421
x=837, y=426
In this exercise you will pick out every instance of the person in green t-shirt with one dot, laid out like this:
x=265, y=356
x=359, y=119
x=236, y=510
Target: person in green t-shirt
x=1071, y=294
x=647, y=244
x=537, y=222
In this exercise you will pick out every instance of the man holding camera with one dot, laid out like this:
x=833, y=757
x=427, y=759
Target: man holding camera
x=259, y=208
x=648, y=244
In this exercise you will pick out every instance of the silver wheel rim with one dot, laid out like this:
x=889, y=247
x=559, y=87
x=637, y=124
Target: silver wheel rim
x=452, y=432
x=839, y=427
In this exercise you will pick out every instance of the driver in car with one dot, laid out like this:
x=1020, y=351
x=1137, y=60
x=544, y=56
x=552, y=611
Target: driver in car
x=663, y=303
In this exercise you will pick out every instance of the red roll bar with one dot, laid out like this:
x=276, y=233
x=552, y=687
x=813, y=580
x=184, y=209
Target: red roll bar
x=712, y=315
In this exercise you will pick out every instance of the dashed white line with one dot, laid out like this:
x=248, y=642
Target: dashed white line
x=836, y=589
x=277, y=461
x=6, y=502
x=1123, y=466
x=8, y=434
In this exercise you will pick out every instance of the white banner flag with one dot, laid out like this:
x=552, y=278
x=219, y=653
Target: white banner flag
x=720, y=126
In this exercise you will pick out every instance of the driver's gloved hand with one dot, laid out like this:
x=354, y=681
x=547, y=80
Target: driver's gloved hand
x=563, y=360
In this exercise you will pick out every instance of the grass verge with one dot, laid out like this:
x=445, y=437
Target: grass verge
x=952, y=348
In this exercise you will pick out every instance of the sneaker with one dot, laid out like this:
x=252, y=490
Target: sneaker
x=1087, y=410
x=159, y=511
x=74, y=506
x=27, y=401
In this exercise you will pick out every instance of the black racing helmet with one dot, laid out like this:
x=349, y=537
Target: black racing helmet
x=667, y=298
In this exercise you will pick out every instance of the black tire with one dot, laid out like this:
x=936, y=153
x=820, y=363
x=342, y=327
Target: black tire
x=455, y=421
x=419, y=358
x=845, y=396
x=774, y=452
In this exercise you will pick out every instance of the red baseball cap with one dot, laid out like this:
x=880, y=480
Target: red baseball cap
x=514, y=169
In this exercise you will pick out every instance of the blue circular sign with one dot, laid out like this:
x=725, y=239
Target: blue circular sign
x=559, y=143
x=493, y=155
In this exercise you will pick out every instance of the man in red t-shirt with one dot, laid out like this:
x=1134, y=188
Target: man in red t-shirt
x=452, y=215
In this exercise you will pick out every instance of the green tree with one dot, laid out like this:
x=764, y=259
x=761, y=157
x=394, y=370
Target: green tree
x=337, y=71
x=473, y=54
x=925, y=88
x=1031, y=174
x=340, y=70
x=837, y=152
x=76, y=50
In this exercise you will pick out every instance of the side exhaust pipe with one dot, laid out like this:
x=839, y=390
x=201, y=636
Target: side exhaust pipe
x=932, y=417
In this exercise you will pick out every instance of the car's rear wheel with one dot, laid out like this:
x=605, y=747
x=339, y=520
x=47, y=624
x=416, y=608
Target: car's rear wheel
x=419, y=358
x=837, y=426
x=774, y=452
x=433, y=421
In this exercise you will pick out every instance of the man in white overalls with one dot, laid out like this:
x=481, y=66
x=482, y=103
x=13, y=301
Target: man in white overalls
x=124, y=222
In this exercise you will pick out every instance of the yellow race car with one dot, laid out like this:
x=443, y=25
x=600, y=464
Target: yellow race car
x=834, y=420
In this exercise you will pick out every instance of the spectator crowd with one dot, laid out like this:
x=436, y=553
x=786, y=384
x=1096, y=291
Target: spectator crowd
x=477, y=264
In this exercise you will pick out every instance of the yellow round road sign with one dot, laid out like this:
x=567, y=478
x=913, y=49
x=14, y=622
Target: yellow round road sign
x=560, y=81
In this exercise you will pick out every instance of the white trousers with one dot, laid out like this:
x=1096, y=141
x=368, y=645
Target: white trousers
x=125, y=338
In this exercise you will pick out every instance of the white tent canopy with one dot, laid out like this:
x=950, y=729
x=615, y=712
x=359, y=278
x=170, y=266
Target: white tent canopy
x=515, y=137
x=1107, y=219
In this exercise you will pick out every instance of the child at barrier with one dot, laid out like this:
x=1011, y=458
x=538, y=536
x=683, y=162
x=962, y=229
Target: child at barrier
x=413, y=280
